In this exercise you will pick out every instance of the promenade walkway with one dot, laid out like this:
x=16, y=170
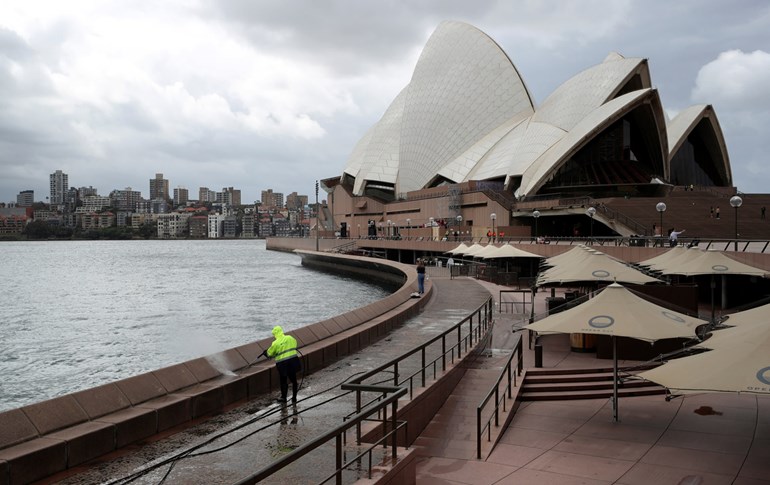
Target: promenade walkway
x=698, y=439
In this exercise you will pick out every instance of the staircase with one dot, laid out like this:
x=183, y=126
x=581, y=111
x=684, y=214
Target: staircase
x=569, y=384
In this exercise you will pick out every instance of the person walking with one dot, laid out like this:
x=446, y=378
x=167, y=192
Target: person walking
x=716, y=211
x=420, y=277
x=672, y=238
x=284, y=351
x=762, y=212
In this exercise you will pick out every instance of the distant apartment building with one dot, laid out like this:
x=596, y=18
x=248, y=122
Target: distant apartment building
x=87, y=191
x=295, y=201
x=230, y=227
x=126, y=199
x=206, y=195
x=199, y=227
x=272, y=199
x=94, y=203
x=229, y=196
x=12, y=224
x=25, y=198
x=159, y=206
x=59, y=187
x=247, y=224
x=92, y=220
x=216, y=223
x=181, y=196
x=159, y=187
x=138, y=219
x=282, y=227
x=265, y=228
x=173, y=225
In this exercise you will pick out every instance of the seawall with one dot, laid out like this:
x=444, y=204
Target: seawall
x=49, y=437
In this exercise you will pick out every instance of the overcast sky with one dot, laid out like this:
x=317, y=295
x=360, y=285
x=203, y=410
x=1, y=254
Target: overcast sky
x=274, y=94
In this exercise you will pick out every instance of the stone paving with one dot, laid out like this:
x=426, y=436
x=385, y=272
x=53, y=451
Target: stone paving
x=697, y=439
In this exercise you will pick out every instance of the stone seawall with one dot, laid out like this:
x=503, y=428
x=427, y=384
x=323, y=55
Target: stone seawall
x=49, y=437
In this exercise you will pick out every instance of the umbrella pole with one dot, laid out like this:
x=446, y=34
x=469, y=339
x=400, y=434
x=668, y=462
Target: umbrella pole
x=713, y=286
x=615, y=379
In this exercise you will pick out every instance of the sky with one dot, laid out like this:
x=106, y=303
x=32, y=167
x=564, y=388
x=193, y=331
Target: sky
x=266, y=94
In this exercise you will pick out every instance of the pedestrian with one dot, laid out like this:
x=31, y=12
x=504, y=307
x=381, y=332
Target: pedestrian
x=762, y=212
x=716, y=211
x=284, y=351
x=450, y=262
x=711, y=212
x=420, y=277
x=673, y=236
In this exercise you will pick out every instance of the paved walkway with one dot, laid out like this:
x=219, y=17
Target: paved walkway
x=698, y=439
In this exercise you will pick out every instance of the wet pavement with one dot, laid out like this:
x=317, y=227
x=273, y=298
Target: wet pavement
x=239, y=442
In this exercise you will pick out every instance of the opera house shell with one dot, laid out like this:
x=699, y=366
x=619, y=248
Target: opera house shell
x=467, y=115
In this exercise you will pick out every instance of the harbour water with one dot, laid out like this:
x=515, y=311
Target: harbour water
x=77, y=314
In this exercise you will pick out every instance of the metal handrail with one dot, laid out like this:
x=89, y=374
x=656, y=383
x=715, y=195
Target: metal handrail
x=337, y=433
x=495, y=391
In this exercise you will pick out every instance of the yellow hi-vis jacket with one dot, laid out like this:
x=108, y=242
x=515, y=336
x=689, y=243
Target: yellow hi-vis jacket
x=283, y=347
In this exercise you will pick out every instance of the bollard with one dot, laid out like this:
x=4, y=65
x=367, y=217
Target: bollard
x=538, y=355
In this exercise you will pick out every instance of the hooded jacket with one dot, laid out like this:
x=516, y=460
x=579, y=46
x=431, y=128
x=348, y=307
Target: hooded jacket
x=283, y=347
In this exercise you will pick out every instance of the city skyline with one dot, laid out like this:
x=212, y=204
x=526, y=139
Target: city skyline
x=253, y=95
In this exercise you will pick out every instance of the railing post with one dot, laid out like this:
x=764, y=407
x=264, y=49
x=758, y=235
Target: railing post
x=395, y=374
x=497, y=401
x=509, y=381
x=478, y=433
x=338, y=459
x=422, y=352
x=443, y=352
x=459, y=341
x=384, y=423
x=394, y=424
x=358, y=410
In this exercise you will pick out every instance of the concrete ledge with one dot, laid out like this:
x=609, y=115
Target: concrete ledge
x=131, y=425
x=86, y=441
x=34, y=460
x=4, y=473
x=101, y=400
x=55, y=414
x=16, y=427
x=170, y=410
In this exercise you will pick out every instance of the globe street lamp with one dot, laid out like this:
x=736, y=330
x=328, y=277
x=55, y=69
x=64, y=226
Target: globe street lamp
x=536, y=215
x=408, y=225
x=359, y=231
x=661, y=208
x=494, y=218
x=390, y=228
x=590, y=212
x=736, y=202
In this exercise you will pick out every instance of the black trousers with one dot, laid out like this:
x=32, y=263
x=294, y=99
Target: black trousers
x=287, y=371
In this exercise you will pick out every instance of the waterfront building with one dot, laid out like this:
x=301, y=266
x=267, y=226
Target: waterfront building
x=247, y=223
x=94, y=203
x=229, y=196
x=25, y=198
x=464, y=140
x=93, y=220
x=59, y=184
x=12, y=224
x=87, y=191
x=199, y=227
x=173, y=225
x=265, y=227
x=159, y=187
x=216, y=223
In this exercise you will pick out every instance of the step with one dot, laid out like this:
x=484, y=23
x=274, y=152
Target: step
x=597, y=370
x=580, y=386
x=595, y=394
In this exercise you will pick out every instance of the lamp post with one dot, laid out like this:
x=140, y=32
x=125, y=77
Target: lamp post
x=390, y=229
x=591, y=212
x=459, y=219
x=317, y=216
x=381, y=231
x=536, y=216
x=736, y=202
x=408, y=226
x=359, y=231
x=661, y=208
x=494, y=218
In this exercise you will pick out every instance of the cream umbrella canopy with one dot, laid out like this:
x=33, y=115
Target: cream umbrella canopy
x=739, y=363
x=592, y=266
x=486, y=250
x=508, y=251
x=471, y=251
x=459, y=249
x=617, y=312
x=710, y=263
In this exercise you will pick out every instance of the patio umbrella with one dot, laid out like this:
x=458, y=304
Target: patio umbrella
x=672, y=257
x=744, y=326
x=459, y=249
x=593, y=267
x=508, y=251
x=471, y=251
x=617, y=312
x=710, y=263
x=740, y=362
x=483, y=252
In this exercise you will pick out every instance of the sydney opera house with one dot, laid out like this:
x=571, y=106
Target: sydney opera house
x=465, y=140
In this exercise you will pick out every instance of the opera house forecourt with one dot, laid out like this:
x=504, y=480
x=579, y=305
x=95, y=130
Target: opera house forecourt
x=466, y=132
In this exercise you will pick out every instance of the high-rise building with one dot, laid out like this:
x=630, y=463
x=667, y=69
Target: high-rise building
x=126, y=200
x=272, y=199
x=206, y=195
x=59, y=186
x=25, y=198
x=181, y=196
x=159, y=187
x=295, y=201
x=229, y=196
